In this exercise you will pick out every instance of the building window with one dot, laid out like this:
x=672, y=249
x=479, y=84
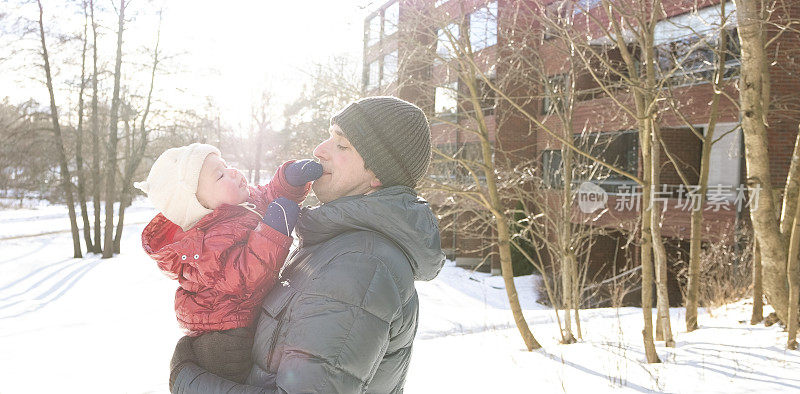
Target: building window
x=554, y=93
x=620, y=149
x=584, y=5
x=444, y=47
x=373, y=76
x=551, y=169
x=446, y=101
x=389, y=68
x=374, y=30
x=693, y=59
x=483, y=27
x=472, y=153
x=555, y=19
x=687, y=45
x=443, y=169
x=391, y=17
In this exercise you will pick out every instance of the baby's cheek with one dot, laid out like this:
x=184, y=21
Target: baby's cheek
x=243, y=195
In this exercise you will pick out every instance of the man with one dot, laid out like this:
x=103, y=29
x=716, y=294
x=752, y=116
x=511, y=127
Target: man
x=345, y=316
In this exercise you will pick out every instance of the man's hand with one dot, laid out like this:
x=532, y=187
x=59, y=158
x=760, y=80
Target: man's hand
x=183, y=354
x=303, y=171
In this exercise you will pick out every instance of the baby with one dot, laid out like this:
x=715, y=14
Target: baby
x=223, y=240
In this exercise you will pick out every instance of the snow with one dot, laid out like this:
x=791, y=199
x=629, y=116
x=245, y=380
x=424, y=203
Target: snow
x=90, y=325
x=43, y=218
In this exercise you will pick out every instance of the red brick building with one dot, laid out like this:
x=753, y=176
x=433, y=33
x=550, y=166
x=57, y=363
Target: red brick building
x=394, y=64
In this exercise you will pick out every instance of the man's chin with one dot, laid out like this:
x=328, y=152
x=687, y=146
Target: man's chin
x=320, y=191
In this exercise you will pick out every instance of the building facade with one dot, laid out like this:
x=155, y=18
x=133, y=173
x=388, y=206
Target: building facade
x=410, y=47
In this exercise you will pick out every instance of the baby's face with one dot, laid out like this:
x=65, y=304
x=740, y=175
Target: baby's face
x=220, y=184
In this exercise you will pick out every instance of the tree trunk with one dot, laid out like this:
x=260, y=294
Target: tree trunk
x=752, y=107
x=696, y=242
x=567, y=260
x=503, y=234
x=646, y=243
x=758, y=294
x=111, y=161
x=136, y=153
x=66, y=179
x=87, y=229
x=790, y=191
x=508, y=278
x=658, y=245
x=794, y=282
x=257, y=158
x=125, y=191
x=125, y=200
x=96, y=140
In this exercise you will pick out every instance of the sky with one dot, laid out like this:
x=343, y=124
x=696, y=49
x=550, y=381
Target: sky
x=244, y=47
x=227, y=52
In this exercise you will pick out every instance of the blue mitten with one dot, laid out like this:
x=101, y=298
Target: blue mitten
x=303, y=171
x=282, y=215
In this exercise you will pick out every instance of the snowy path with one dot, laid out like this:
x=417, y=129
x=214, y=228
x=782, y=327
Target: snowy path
x=92, y=325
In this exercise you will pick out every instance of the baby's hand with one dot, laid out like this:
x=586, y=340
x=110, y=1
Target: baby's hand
x=303, y=171
x=282, y=215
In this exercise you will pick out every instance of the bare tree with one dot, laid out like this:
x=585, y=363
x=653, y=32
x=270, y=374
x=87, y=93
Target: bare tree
x=794, y=281
x=721, y=54
x=97, y=243
x=479, y=186
x=772, y=233
x=136, y=147
x=616, y=44
x=638, y=103
x=66, y=182
x=331, y=85
x=87, y=232
x=261, y=116
x=111, y=148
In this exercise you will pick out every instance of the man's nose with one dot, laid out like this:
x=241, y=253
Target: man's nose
x=320, y=152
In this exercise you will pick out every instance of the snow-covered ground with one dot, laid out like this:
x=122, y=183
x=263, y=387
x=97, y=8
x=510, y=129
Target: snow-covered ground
x=106, y=326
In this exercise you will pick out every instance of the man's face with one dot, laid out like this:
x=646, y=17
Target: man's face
x=220, y=184
x=343, y=171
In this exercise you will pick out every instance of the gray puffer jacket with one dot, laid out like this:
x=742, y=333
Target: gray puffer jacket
x=343, y=318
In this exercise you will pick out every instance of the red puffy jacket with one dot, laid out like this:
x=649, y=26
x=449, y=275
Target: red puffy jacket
x=226, y=263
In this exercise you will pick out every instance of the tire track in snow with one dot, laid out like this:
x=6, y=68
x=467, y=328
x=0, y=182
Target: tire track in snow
x=23, y=303
x=33, y=249
x=40, y=270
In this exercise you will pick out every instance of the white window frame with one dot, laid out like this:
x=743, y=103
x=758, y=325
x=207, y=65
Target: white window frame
x=483, y=27
x=374, y=30
x=373, y=75
x=391, y=19
x=445, y=100
x=444, y=48
x=390, y=68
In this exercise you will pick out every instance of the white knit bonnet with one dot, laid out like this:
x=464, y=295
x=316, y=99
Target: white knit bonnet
x=172, y=183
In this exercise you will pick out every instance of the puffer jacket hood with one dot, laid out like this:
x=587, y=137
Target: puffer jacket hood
x=395, y=212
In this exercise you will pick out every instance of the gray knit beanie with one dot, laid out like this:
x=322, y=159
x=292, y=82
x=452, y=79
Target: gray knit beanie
x=391, y=135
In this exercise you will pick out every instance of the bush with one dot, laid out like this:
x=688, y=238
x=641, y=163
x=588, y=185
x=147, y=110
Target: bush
x=726, y=269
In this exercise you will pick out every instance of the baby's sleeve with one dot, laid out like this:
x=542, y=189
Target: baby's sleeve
x=253, y=266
